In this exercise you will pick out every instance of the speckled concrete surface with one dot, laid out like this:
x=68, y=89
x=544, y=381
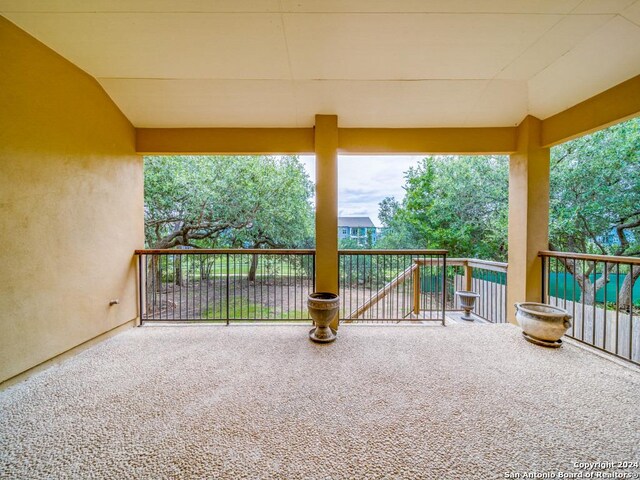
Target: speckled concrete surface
x=243, y=402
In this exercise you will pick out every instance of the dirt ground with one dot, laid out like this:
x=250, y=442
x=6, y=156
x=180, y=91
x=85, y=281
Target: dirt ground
x=271, y=299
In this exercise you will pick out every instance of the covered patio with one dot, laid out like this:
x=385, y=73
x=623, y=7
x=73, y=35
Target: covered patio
x=89, y=88
x=383, y=402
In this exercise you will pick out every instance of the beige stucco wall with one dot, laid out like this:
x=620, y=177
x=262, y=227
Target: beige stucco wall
x=71, y=206
x=528, y=215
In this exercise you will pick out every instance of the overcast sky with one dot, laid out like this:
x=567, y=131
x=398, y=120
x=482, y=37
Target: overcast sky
x=363, y=181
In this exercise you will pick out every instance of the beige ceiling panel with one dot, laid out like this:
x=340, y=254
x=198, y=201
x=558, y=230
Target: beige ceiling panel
x=204, y=103
x=606, y=58
x=432, y=103
x=501, y=103
x=602, y=6
x=311, y=6
x=417, y=46
x=435, y=6
x=139, y=6
x=633, y=13
x=152, y=45
x=562, y=37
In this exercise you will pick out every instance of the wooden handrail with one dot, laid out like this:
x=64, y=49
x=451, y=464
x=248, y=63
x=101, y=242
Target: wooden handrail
x=210, y=251
x=469, y=262
x=587, y=256
x=413, y=271
x=487, y=265
x=383, y=292
x=281, y=251
x=391, y=252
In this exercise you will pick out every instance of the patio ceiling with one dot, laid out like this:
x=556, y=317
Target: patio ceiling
x=386, y=63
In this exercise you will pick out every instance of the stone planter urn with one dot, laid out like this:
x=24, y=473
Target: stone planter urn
x=543, y=324
x=323, y=308
x=467, y=302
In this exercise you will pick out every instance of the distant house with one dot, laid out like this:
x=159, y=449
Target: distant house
x=611, y=238
x=360, y=229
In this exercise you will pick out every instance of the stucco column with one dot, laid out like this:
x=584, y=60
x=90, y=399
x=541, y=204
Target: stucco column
x=528, y=215
x=326, y=148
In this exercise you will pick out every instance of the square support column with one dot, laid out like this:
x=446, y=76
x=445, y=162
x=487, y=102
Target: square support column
x=326, y=149
x=528, y=215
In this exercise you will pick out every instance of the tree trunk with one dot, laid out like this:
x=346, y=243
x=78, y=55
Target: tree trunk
x=177, y=269
x=154, y=274
x=588, y=294
x=205, y=273
x=253, y=268
x=625, y=300
x=582, y=278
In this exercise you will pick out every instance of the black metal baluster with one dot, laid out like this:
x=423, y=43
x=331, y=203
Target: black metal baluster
x=617, y=305
x=631, y=311
x=593, y=319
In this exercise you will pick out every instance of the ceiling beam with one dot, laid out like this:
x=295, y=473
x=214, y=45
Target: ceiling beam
x=370, y=141
x=612, y=106
x=491, y=140
x=221, y=141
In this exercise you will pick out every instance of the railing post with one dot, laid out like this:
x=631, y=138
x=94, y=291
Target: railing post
x=468, y=276
x=140, y=307
x=444, y=287
x=227, y=301
x=416, y=288
x=544, y=279
x=313, y=268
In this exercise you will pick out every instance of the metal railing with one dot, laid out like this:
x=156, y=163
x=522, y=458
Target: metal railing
x=598, y=291
x=484, y=277
x=226, y=285
x=223, y=285
x=392, y=285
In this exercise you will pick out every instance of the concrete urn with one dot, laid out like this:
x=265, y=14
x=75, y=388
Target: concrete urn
x=323, y=308
x=467, y=302
x=543, y=324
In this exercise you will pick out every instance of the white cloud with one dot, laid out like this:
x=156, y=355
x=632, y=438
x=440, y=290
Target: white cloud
x=363, y=181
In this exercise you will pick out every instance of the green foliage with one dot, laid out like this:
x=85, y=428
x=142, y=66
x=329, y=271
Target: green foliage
x=595, y=192
x=227, y=201
x=350, y=244
x=461, y=203
x=456, y=203
x=248, y=310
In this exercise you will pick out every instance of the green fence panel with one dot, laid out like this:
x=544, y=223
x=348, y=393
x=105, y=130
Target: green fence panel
x=562, y=285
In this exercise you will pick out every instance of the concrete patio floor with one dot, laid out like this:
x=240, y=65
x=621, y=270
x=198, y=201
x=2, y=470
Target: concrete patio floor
x=246, y=402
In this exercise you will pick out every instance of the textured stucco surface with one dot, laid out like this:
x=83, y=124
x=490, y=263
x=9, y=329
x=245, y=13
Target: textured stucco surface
x=243, y=402
x=71, y=206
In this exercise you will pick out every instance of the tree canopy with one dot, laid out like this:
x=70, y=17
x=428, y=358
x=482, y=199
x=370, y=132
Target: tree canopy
x=461, y=203
x=456, y=203
x=227, y=201
x=595, y=192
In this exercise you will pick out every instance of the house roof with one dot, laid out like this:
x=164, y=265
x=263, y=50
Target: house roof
x=388, y=63
x=355, y=222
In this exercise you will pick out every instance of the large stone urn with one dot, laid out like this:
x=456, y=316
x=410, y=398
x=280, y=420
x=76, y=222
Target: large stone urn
x=543, y=324
x=467, y=302
x=323, y=308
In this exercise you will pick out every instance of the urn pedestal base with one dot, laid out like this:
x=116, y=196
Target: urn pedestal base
x=324, y=335
x=323, y=309
x=542, y=343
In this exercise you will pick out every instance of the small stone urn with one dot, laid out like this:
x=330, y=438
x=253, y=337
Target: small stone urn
x=543, y=324
x=467, y=302
x=323, y=308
